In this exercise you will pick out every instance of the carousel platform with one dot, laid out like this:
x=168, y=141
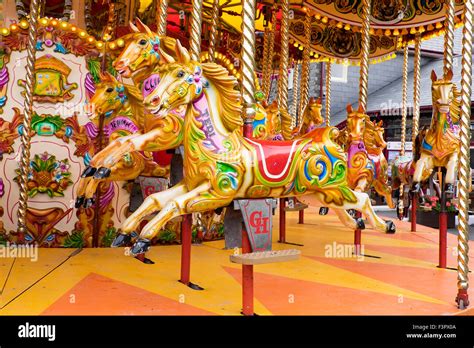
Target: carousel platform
x=397, y=275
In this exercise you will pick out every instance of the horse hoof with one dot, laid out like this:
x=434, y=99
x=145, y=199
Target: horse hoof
x=141, y=246
x=89, y=171
x=121, y=239
x=88, y=203
x=102, y=173
x=79, y=202
x=390, y=227
x=415, y=187
x=323, y=211
x=360, y=223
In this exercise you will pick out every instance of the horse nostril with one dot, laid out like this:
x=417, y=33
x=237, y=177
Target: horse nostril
x=155, y=101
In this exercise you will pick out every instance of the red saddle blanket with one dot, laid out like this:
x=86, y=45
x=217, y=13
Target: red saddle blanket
x=275, y=157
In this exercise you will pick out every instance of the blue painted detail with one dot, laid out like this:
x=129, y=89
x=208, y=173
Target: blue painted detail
x=60, y=48
x=427, y=146
x=3, y=100
x=108, y=113
x=39, y=45
x=20, y=129
x=87, y=159
x=258, y=122
x=68, y=132
x=331, y=157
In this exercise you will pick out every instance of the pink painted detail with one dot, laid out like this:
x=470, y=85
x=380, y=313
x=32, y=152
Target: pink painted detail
x=91, y=130
x=90, y=85
x=213, y=139
x=120, y=123
x=354, y=148
x=150, y=84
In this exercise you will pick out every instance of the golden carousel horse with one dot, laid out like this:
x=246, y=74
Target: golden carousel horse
x=440, y=146
x=367, y=165
x=220, y=165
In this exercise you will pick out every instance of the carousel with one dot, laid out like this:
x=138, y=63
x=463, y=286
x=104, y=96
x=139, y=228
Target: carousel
x=178, y=158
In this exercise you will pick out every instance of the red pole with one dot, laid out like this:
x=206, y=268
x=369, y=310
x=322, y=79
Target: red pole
x=247, y=277
x=282, y=221
x=248, y=130
x=443, y=238
x=357, y=237
x=413, y=213
x=186, y=238
x=301, y=217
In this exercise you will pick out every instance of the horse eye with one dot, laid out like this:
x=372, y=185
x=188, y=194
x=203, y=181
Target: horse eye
x=142, y=42
x=109, y=90
x=180, y=73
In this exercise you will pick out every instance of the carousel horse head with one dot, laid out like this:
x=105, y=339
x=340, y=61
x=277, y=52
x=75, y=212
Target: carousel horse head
x=142, y=50
x=443, y=91
x=110, y=96
x=313, y=111
x=356, y=122
x=374, y=135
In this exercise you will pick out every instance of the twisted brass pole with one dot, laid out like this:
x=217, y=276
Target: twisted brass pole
x=283, y=78
x=404, y=100
x=196, y=27
x=464, y=168
x=364, y=59
x=448, y=37
x=266, y=36
x=416, y=89
x=161, y=15
x=35, y=5
x=306, y=64
x=328, y=94
x=294, y=109
x=248, y=63
x=271, y=47
x=213, y=32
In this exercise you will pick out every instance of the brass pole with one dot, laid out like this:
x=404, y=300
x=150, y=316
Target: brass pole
x=283, y=78
x=296, y=73
x=35, y=5
x=305, y=69
x=448, y=37
x=248, y=64
x=213, y=32
x=161, y=14
x=464, y=168
x=196, y=28
x=271, y=47
x=416, y=89
x=266, y=37
x=364, y=59
x=328, y=94
x=404, y=100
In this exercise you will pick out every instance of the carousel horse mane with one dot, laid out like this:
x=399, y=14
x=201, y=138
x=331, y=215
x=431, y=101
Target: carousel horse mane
x=218, y=77
x=224, y=83
x=371, y=130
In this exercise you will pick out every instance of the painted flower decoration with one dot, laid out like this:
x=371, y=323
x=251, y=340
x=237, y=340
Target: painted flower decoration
x=198, y=80
x=48, y=175
x=155, y=46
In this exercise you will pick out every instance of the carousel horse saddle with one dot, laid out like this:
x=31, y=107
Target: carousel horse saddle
x=275, y=157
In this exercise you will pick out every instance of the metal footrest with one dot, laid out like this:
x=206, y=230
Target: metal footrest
x=297, y=207
x=262, y=257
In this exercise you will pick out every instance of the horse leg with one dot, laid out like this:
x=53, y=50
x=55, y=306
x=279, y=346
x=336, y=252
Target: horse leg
x=425, y=163
x=189, y=202
x=151, y=204
x=451, y=168
x=348, y=221
x=384, y=190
